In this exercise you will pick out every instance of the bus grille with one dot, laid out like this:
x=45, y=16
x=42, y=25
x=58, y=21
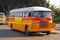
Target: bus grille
x=43, y=23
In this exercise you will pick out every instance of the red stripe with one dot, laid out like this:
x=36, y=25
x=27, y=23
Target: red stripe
x=11, y=18
x=25, y=18
x=30, y=18
x=36, y=18
x=48, y=18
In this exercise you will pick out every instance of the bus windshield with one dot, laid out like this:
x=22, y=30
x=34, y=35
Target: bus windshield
x=38, y=14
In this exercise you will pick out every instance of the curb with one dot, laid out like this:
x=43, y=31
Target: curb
x=55, y=32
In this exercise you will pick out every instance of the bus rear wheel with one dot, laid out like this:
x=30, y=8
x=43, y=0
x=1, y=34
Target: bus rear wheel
x=26, y=30
x=12, y=27
x=47, y=32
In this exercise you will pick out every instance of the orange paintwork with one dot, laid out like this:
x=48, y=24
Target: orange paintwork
x=19, y=24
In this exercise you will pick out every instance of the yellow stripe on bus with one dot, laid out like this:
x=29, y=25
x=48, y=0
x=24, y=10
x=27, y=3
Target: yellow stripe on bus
x=18, y=20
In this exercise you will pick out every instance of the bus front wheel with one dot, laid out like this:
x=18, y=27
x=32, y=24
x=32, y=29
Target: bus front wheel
x=47, y=33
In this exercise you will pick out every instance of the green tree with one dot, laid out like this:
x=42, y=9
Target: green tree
x=7, y=5
x=55, y=11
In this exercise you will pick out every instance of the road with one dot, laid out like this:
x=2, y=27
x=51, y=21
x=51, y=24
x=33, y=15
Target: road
x=7, y=34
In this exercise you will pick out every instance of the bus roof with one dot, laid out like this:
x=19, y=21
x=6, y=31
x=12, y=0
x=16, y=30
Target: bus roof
x=30, y=9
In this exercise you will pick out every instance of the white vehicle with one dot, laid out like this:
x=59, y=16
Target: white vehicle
x=2, y=18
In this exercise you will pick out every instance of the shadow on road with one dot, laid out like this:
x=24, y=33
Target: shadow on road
x=10, y=33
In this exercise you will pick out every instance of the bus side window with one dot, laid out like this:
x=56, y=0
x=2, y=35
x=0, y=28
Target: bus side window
x=29, y=15
x=20, y=14
x=25, y=14
x=12, y=14
x=17, y=14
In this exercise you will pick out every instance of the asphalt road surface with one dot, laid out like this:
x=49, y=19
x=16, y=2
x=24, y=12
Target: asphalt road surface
x=7, y=34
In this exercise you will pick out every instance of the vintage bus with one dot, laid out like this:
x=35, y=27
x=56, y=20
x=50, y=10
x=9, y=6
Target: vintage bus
x=31, y=19
x=2, y=18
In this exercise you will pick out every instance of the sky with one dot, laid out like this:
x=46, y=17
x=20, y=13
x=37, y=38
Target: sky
x=55, y=2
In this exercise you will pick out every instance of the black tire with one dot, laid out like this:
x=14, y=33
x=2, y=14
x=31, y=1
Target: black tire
x=12, y=27
x=26, y=30
x=47, y=33
x=1, y=23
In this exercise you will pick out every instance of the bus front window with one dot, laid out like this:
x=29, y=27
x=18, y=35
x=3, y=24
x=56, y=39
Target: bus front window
x=38, y=14
x=35, y=14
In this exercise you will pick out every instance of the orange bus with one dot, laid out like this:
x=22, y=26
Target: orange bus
x=31, y=19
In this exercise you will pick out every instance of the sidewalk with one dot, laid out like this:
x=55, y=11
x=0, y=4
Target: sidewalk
x=55, y=32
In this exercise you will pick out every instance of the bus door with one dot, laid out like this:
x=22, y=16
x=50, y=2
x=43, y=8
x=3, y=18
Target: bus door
x=18, y=20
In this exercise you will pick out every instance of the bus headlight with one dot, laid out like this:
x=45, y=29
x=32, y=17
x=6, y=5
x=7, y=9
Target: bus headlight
x=51, y=24
x=37, y=24
x=34, y=24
